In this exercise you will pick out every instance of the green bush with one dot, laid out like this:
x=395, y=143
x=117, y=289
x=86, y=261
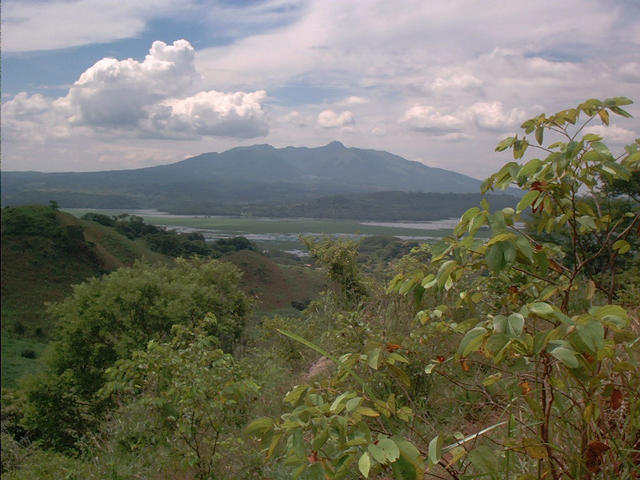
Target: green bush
x=107, y=319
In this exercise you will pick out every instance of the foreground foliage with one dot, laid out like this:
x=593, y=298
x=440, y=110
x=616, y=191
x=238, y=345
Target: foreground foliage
x=546, y=357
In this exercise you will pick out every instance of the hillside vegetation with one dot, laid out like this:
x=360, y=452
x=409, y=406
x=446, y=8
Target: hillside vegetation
x=45, y=252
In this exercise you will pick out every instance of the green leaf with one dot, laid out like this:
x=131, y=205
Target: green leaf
x=592, y=334
x=504, y=144
x=523, y=245
x=435, y=450
x=591, y=137
x=364, y=464
x=539, y=134
x=491, y=379
x=612, y=315
x=471, y=341
x=604, y=116
x=534, y=448
x=541, y=309
x=404, y=470
x=526, y=200
x=385, y=451
x=367, y=412
x=566, y=355
x=529, y=168
x=429, y=281
x=621, y=112
x=377, y=453
x=484, y=460
x=410, y=465
x=444, y=272
x=259, y=426
x=336, y=406
x=373, y=358
x=515, y=325
x=469, y=214
x=495, y=257
x=501, y=237
x=622, y=246
x=617, y=101
x=354, y=403
x=320, y=439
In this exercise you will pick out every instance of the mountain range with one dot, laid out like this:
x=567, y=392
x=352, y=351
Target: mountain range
x=255, y=179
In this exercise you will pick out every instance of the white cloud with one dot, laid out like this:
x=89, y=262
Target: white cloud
x=457, y=81
x=613, y=133
x=483, y=115
x=331, y=119
x=115, y=93
x=35, y=118
x=354, y=100
x=295, y=118
x=426, y=118
x=53, y=24
x=132, y=98
x=493, y=116
x=213, y=113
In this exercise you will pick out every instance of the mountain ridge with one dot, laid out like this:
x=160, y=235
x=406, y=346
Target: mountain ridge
x=258, y=174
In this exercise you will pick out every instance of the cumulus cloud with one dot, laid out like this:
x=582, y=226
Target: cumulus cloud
x=213, y=113
x=145, y=99
x=354, y=100
x=493, y=115
x=295, y=118
x=331, y=119
x=483, y=115
x=613, y=133
x=35, y=118
x=115, y=93
x=457, y=81
x=426, y=118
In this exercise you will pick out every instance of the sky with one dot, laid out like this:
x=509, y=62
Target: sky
x=93, y=85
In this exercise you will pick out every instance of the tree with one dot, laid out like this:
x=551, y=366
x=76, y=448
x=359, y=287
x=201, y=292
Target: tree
x=188, y=396
x=339, y=259
x=108, y=318
x=554, y=357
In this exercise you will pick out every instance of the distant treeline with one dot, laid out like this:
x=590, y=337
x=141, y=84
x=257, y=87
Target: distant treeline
x=384, y=206
x=169, y=242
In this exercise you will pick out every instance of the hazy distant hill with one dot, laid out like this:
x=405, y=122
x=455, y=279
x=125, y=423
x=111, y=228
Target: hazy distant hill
x=256, y=175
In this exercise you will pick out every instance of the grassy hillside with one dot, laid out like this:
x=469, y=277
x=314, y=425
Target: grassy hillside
x=45, y=252
x=274, y=286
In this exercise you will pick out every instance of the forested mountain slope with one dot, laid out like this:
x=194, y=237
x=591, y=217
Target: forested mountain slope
x=260, y=175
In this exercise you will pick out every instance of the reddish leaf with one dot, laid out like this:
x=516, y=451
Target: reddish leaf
x=392, y=347
x=464, y=365
x=555, y=266
x=616, y=399
x=525, y=388
x=593, y=455
x=440, y=358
